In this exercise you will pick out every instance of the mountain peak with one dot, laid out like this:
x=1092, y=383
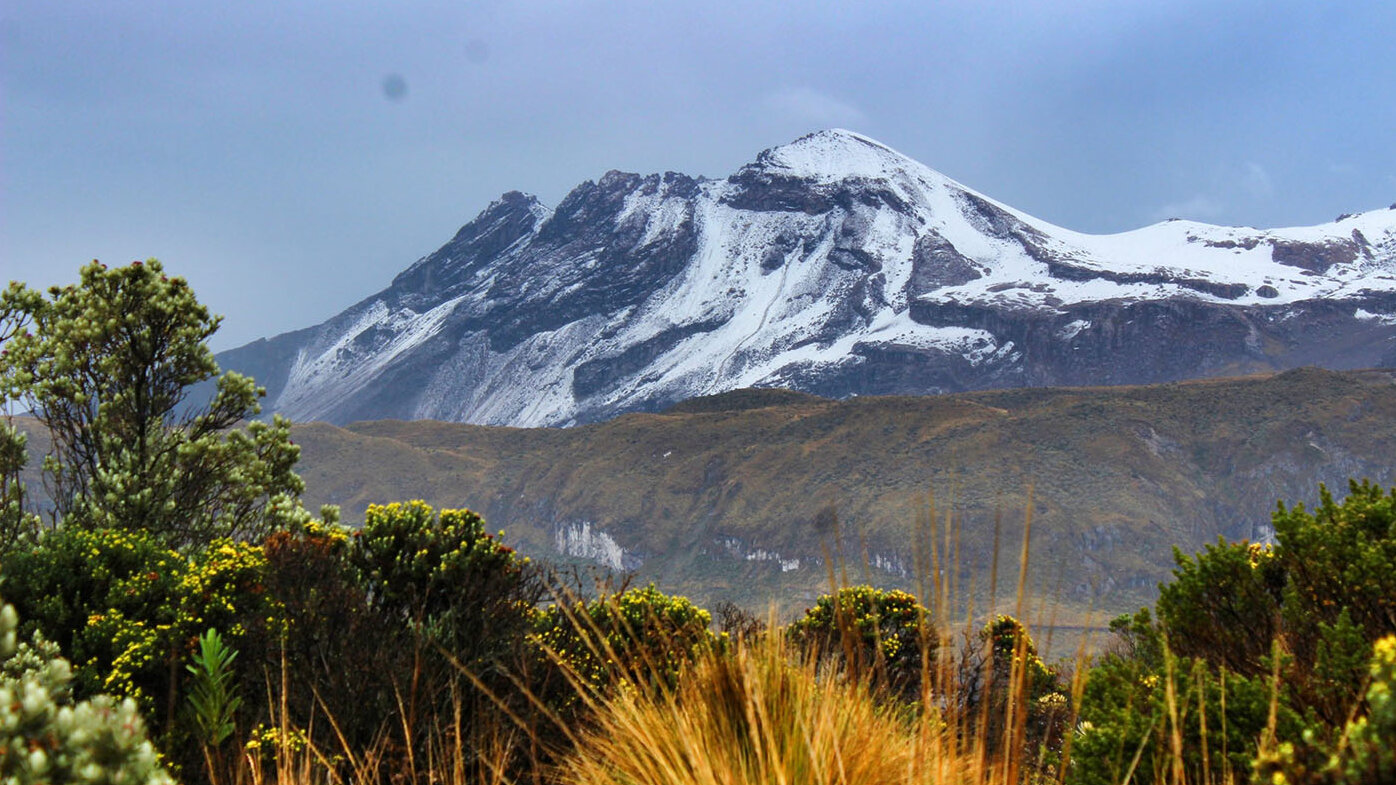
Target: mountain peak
x=834, y=154
x=832, y=265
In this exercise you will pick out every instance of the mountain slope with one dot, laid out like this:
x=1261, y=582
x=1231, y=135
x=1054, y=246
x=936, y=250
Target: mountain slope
x=832, y=265
x=735, y=496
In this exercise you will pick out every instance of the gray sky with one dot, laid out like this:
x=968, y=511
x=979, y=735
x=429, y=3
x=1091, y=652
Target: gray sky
x=289, y=157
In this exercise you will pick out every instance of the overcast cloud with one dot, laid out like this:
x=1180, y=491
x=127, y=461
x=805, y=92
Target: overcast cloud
x=290, y=157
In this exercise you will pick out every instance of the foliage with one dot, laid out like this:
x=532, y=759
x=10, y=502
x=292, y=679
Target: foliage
x=1363, y=754
x=107, y=369
x=736, y=622
x=213, y=699
x=639, y=636
x=17, y=524
x=1007, y=695
x=1326, y=589
x=129, y=609
x=454, y=583
x=453, y=605
x=337, y=655
x=1283, y=629
x=45, y=737
x=212, y=696
x=872, y=631
x=1224, y=604
x=1340, y=593
x=1144, y=710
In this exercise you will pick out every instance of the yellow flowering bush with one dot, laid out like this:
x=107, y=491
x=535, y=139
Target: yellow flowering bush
x=639, y=636
x=871, y=630
x=127, y=608
x=442, y=574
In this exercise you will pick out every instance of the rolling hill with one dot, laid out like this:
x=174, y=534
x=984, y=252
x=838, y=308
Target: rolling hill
x=746, y=495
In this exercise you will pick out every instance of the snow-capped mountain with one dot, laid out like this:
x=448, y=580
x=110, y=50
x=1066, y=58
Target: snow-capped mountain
x=831, y=265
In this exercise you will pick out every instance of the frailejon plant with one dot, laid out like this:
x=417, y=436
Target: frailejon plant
x=45, y=737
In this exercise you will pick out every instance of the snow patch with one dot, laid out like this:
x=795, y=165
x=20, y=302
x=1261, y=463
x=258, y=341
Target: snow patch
x=1071, y=330
x=740, y=550
x=1379, y=318
x=581, y=541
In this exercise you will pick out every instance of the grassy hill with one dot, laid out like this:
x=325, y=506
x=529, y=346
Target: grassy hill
x=746, y=496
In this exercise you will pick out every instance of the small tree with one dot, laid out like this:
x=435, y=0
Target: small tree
x=17, y=524
x=107, y=366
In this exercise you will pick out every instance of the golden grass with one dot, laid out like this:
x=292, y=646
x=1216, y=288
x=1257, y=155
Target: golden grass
x=758, y=714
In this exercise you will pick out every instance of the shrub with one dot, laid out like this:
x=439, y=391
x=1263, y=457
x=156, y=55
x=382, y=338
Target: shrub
x=46, y=737
x=1008, y=696
x=886, y=634
x=1363, y=755
x=639, y=636
x=129, y=609
x=1139, y=700
x=445, y=576
x=1285, y=628
x=447, y=609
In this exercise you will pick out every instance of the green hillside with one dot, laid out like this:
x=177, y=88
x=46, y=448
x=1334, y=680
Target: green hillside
x=720, y=497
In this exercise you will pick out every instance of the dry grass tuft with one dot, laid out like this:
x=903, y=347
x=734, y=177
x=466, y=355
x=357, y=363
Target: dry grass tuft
x=756, y=714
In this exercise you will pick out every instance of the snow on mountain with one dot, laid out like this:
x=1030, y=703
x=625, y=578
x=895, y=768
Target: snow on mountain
x=832, y=265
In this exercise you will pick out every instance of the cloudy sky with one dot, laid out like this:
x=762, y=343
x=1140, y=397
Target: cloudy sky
x=290, y=157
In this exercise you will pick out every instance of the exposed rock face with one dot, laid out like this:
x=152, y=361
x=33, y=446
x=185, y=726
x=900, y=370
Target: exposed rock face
x=831, y=265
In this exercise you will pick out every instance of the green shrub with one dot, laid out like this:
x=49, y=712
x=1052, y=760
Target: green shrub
x=129, y=610
x=1363, y=753
x=340, y=656
x=1125, y=722
x=872, y=631
x=446, y=577
x=445, y=617
x=45, y=737
x=639, y=636
x=1325, y=591
x=1002, y=679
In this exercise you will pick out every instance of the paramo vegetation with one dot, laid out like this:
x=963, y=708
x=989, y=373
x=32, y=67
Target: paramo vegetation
x=176, y=614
